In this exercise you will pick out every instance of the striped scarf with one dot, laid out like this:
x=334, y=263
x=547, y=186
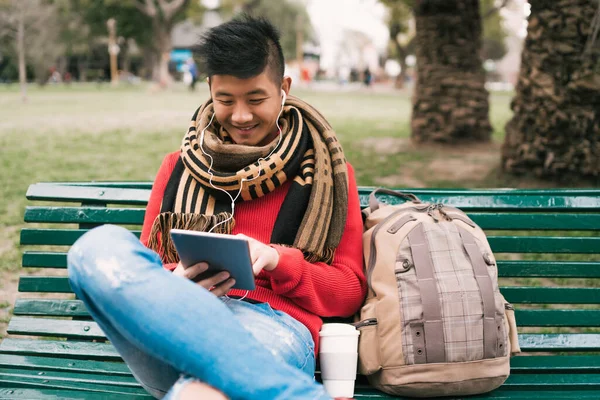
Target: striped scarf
x=313, y=214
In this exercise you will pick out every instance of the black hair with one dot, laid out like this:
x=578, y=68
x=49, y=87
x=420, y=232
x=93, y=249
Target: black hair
x=242, y=47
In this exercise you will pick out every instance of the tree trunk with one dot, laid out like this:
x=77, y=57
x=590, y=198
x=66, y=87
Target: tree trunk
x=450, y=103
x=21, y=54
x=163, y=46
x=555, y=129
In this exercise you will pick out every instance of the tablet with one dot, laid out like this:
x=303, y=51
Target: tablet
x=221, y=253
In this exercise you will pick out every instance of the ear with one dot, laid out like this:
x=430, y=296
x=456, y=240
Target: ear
x=286, y=85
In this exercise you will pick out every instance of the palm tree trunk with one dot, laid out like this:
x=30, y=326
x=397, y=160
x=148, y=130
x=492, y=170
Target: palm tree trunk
x=450, y=103
x=555, y=129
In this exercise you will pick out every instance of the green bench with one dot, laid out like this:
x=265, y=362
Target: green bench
x=547, y=241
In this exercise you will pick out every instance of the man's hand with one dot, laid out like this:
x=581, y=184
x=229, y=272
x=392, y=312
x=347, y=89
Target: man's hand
x=218, y=284
x=262, y=256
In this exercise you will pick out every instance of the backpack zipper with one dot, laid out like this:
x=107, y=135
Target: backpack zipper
x=373, y=255
x=366, y=322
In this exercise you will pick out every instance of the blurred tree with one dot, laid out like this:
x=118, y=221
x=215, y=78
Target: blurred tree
x=147, y=23
x=450, y=99
x=163, y=15
x=34, y=30
x=132, y=28
x=282, y=13
x=555, y=129
x=400, y=15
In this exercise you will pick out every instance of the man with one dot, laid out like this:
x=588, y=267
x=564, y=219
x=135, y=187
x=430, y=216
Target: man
x=255, y=162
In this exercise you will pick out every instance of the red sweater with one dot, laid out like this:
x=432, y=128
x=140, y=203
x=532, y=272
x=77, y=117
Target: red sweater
x=304, y=290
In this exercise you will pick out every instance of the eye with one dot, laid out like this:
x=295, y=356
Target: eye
x=256, y=101
x=225, y=102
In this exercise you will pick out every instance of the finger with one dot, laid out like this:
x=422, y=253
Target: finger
x=195, y=270
x=259, y=264
x=214, y=280
x=223, y=288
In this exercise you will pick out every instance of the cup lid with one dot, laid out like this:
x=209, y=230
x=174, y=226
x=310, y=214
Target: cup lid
x=335, y=329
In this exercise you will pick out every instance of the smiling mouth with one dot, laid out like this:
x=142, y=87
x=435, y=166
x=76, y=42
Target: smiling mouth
x=245, y=128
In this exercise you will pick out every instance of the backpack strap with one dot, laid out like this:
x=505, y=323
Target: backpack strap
x=374, y=203
x=433, y=329
x=491, y=322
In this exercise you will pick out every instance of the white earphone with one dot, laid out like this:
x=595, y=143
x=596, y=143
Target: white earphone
x=233, y=199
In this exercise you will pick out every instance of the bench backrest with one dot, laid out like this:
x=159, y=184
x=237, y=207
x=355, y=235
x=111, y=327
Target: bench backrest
x=547, y=243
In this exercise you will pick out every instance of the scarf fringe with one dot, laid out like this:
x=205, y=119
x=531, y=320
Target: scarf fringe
x=160, y=239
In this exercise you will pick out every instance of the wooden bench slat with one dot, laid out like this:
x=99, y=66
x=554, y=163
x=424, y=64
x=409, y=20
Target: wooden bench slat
x=558, y=318
x=501, y=199
x=55, y=327
x=559, y=341
x=83, y=215
x=50, y=307
x=541, y=244
x=17, y=393
x=536, y=221
x=44, y=259
x=525, y=295
x=88, y=329
x=54, y=237
x=527, y=341
x=64, y=364
x=100, y=195
x=77, y=376
x=496, y=221
x=551, y=295
x=44, y=284
x=499, y=244
x=51, y=382
x=548, y=269
x=506, y=268
x=60, y=348
x=556, y=363
x=484, y=200
x=574, y=381
x=366, y=190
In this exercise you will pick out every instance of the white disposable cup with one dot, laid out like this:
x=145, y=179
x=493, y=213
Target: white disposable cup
x=338, y=353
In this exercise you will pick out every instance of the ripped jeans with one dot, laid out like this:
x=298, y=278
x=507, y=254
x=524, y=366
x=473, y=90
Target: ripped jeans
x=169, y=329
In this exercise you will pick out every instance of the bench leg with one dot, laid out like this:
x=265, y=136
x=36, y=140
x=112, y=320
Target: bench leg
x=169, y=321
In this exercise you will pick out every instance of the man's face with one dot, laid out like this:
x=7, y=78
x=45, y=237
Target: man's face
x=248, y=108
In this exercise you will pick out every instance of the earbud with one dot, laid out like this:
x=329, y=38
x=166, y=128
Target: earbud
x=283, y=97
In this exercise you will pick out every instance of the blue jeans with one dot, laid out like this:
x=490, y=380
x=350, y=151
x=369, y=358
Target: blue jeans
x=166, y=327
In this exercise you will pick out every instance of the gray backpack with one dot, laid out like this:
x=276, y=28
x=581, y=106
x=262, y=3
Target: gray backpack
x=434, y=322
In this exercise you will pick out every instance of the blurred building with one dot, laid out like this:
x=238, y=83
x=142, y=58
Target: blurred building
x=185, y=37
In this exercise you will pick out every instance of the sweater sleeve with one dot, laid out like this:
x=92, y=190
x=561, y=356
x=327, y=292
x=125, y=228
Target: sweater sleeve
x=156, y=196
x=338, y=289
